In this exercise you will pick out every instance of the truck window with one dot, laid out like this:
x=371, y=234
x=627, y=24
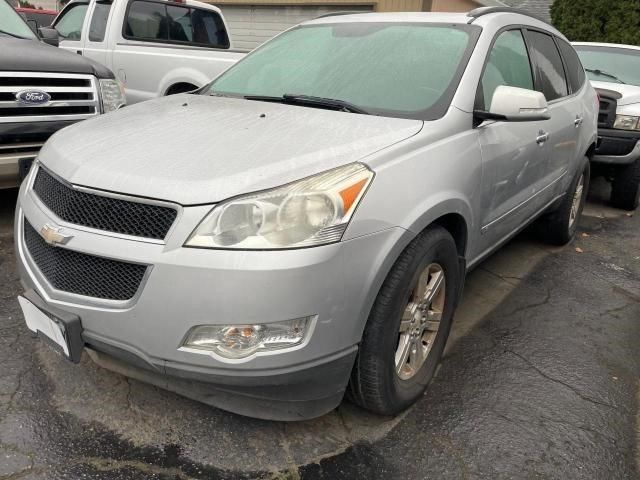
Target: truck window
x=69, y=25
x=159, y=22
x=208, y=29
x=146, y=21
x=98, y=25
x=180, y=28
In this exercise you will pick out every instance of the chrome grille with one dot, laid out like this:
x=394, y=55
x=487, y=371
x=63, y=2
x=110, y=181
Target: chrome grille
x=102, y=212
x=73, y=96
x=81, y=274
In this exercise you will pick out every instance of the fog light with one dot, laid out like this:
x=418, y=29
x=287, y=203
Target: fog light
x=239, y=341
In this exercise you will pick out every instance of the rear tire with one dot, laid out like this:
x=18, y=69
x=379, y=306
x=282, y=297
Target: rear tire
x=560, y=226
x=625, y=189
x=413, y=309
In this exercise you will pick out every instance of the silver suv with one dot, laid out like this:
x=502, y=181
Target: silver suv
x=302, y=226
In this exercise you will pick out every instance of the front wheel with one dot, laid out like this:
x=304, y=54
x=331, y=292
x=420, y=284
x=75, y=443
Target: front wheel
x=408, y=326
x=625, y=189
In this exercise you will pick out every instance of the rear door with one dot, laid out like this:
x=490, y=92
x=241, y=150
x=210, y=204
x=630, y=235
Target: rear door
x=565, y=109
x=514, y=158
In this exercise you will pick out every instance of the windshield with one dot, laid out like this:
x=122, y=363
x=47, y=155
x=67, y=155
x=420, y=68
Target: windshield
x=392, y=69
x=611, y=64
x=12, y=24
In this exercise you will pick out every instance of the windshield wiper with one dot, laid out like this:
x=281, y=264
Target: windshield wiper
x=597, y=71
x=12, y=34
x=310, y=101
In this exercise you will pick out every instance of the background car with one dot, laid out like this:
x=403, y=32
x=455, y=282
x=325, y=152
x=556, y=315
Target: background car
x=155, y=47
x=42, y=90
x=41, y=17
x=614, y=70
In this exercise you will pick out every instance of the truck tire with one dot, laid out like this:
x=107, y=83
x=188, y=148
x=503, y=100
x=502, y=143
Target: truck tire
x=560, y=226
x=625, y=189
x=408, y=325
x=181, y=88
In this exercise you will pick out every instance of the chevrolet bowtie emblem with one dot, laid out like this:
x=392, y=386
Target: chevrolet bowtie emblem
x=53, y=236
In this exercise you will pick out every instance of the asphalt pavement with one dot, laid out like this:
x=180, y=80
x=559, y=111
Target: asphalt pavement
x=540, y=380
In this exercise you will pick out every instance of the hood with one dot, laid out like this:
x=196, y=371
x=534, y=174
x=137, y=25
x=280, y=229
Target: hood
x=630, y=93
x=23, y=55
x=194, y=149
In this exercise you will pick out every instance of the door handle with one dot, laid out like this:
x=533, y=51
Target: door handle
x=542, y=137
x=79, y=52
x=578, y=121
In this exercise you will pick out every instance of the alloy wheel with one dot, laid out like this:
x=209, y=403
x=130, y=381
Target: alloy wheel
x=420, y=322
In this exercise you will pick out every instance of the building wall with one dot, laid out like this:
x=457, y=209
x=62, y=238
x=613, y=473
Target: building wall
x=453, y=5
x=379, y=5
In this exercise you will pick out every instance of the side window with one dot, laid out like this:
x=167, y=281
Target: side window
x=147, y=21
x=548, y=64
x=175, y=24
x=98, y=25
x=208, y=29
x=574, y=66
x=180, y=24
x=69, y=26
x=508, y=65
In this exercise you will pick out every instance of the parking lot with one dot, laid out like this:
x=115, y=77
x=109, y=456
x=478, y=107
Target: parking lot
x=539, y=380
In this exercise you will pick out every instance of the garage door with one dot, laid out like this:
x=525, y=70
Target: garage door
x=251, y=25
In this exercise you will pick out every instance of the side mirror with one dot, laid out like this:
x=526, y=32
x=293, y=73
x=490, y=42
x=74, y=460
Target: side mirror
x=49, y=36
x=513, y=104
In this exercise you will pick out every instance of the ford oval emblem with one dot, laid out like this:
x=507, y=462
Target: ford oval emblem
x=33, y=97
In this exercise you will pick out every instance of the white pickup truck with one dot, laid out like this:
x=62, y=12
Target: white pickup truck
x=154, y=47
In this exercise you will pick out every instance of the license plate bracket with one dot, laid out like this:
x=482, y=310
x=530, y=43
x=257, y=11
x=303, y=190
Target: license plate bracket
x=62, y=330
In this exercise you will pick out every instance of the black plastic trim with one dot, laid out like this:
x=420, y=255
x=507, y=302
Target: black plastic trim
x=617, y=133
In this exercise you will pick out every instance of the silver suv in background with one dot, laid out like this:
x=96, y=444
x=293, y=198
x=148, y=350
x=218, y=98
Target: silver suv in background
x=614, y=71
x=303, y=225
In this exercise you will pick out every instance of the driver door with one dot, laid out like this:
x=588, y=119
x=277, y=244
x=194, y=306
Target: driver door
x=70, y=23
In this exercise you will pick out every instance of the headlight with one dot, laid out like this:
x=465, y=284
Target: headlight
x=313, y=211
x=240, y=341
x=112, y=95
x=627, y=122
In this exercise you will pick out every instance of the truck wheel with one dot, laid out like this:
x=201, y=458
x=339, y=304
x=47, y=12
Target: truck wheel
x=408, y=325
x=625, y=189
x=181, y=88
x=560, y=226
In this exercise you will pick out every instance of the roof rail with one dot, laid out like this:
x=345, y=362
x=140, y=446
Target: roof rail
x=479, y=12
x=336, y=14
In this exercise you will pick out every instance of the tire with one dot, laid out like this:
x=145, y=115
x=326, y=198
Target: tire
x=560, y=226
x=375, y=383
x=625, y=189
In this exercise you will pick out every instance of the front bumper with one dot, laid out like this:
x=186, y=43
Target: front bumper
x=188, y=287
x=617, y=147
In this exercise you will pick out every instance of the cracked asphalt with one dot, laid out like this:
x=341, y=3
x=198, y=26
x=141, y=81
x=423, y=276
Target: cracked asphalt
x=540, y=380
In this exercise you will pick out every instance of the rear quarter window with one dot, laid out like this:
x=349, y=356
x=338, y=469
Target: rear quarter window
x=178, y=24
x=575, y=70
x=551, y=77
